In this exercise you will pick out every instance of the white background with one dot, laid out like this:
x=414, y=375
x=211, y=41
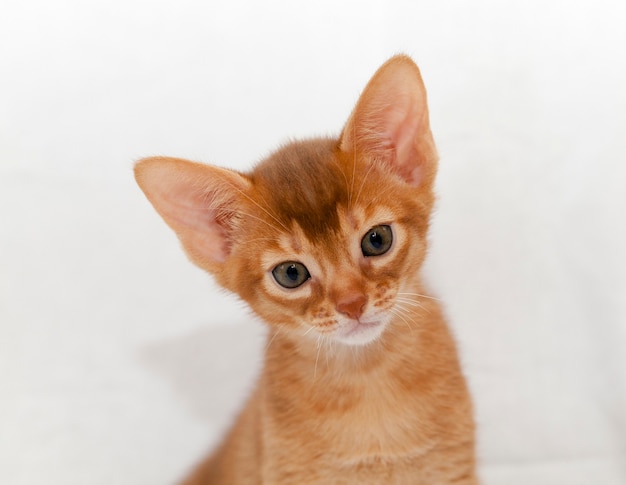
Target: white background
x=120, y=363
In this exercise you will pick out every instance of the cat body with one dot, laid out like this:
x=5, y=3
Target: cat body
x=324, y=240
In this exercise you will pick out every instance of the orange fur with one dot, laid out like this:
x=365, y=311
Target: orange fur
x=361, y=382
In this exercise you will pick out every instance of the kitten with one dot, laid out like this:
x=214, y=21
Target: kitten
x=324, y=240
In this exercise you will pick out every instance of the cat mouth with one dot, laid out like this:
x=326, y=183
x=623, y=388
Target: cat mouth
x=357, y=332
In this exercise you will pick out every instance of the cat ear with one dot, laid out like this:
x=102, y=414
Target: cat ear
x=390, y=123
x=199, y=202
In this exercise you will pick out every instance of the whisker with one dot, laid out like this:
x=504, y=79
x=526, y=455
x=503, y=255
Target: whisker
x=400, y=308
x=305, y=333
x=224, y=210
x=319, y=347
x=404, y=301
x=408, y=301
x=241, y=213
x=271, y=215
x=329, y=348
x=399, y=305
x=397, y=313
x=258, y=239
x=272, y=339
x=353, y=162
x=358, y=195
x=380, y=194
x=341, y=170
x=333, y=348
x=420, y=295
x=412, y=303
x=259, y=206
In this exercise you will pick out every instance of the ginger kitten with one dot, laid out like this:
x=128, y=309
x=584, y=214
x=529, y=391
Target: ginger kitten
x=324, y=240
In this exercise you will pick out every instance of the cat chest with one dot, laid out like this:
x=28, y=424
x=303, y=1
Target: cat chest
x=352, y=424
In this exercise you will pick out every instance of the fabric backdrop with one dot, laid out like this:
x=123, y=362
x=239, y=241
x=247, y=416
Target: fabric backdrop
x=120, y=363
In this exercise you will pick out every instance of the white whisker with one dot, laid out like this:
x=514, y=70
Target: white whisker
x=271, y=239
x=420, y=295
x=358, y=195
x=398, y=314
x=381, y=194
x=413, y=303
x=276, y=332
x=353, y=162
x=259, y=206
x=317, y=356
x=330, y=350
x=401, y=309
x=241, y=213
x=344, y=176
x=409, y=301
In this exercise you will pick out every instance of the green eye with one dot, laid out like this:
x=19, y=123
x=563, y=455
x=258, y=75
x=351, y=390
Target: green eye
x=290, y=274
x=377, y=241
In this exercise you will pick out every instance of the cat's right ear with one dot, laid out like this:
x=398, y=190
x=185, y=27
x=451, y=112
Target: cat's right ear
x=199, y=202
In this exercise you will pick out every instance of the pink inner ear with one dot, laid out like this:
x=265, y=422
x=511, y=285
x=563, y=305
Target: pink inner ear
x=402, y=133
x=196, y=224
x=390, y=121
x=197, y=201
x=212, y=243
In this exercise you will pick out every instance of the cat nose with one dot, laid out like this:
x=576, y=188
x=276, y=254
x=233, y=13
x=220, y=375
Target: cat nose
x=352, y=305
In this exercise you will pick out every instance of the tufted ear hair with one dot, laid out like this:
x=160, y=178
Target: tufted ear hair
x=390, y=123
x=199, y=202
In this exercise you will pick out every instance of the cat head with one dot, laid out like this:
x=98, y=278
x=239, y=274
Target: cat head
x=324, y=236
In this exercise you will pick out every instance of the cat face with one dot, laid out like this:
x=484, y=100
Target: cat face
x=324, y=238
x=324, y=247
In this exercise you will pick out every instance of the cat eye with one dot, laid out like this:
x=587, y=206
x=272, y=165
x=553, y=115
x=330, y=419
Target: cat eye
x=377, y=241
x=290, y=274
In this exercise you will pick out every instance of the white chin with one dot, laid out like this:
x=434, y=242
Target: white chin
x=356, y=333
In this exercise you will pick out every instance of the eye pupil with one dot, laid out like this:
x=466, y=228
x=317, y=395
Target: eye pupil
x=377, y=241
x=290, y=274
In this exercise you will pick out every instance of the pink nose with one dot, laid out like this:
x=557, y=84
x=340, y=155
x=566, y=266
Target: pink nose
x=352, y=305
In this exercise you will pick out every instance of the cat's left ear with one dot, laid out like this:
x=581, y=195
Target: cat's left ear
x=390, y=123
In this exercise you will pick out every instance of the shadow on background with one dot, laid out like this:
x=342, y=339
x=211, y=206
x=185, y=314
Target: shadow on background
x=212, y=369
